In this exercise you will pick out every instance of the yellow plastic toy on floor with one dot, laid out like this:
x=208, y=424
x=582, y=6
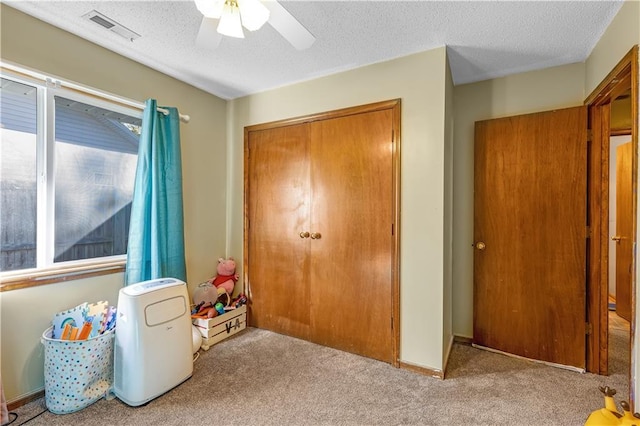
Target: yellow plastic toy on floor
x=609, y=415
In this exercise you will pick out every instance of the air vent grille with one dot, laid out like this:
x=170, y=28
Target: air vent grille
x=111, y=25
x=98, y=20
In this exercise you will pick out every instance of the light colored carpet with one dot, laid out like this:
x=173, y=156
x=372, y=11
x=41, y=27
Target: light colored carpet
x=262, y=378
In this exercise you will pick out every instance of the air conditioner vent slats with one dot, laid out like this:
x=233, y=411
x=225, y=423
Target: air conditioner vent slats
x=98, y=20
x=111, y=25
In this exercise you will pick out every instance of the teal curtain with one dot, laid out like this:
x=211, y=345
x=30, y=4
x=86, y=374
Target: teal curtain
x=156, y=233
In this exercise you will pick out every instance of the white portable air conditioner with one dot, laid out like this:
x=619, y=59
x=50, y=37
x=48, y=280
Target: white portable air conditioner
x=153, y=342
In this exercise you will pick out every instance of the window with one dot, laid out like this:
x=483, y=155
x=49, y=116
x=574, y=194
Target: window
x=67, y=168
x=18, y=177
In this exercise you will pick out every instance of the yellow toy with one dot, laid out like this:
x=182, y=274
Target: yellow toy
x=609, y=415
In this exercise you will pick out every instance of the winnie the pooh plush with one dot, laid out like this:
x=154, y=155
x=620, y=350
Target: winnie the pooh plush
x=226, y=275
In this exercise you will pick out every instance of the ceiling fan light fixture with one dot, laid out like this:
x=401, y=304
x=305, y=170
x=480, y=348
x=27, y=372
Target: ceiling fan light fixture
x=230, y=24
x=210, y=8
x=253, y=13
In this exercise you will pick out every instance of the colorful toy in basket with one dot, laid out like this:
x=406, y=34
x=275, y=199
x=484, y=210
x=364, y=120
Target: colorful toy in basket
x=84, y=321
x=238, y=301
x=226, y=277
x=204, y=310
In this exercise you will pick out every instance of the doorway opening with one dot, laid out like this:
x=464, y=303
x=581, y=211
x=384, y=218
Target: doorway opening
x=611, y=218
x=620, y=230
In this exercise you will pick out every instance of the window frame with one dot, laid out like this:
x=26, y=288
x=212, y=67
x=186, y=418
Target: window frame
x=47, y=271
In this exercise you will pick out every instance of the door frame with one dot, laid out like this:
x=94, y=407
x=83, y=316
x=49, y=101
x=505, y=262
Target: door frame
x=395, y=106
x=623, y=76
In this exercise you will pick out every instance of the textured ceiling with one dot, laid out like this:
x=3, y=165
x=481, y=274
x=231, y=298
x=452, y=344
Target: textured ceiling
x=485, y=39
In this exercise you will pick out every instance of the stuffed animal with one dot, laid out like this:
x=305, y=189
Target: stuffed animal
x=226, y=277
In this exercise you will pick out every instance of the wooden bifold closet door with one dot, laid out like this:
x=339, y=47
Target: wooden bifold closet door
x=320, y=232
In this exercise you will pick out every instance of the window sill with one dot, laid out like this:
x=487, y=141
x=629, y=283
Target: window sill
x=34, y=278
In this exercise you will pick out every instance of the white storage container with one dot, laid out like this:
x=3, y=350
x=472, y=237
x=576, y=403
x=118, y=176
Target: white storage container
x=215, y=330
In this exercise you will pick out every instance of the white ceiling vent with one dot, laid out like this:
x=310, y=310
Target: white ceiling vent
x=111, y=25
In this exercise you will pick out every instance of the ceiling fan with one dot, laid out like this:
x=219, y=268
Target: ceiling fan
x=227, y=17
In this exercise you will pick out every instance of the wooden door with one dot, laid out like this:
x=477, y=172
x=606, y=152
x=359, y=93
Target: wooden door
x=278, y=211
x=624, y=230
x=530, y=235
x=351, y=212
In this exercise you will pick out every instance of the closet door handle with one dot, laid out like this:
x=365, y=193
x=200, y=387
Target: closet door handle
x=304, y=235
x=316, y=236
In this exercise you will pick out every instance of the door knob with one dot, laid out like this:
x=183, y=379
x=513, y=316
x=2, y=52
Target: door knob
x=617, y=238
x=304, y=235
x=480, y=245
x=316, y=236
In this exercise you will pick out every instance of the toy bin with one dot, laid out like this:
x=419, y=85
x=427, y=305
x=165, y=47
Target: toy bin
x=217, y=329
x=77, y=373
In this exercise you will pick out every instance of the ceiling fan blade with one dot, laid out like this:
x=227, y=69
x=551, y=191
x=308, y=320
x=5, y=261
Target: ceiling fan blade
x=288, y=26
x=208, y=36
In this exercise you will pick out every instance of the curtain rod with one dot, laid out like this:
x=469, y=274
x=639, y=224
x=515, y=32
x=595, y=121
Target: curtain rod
x=56, y=82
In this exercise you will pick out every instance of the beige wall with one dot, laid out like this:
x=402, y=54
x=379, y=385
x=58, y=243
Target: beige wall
x=31, y=43
x=621, y=35
x=419, y=80
x=552, y=88
x=447, y=306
